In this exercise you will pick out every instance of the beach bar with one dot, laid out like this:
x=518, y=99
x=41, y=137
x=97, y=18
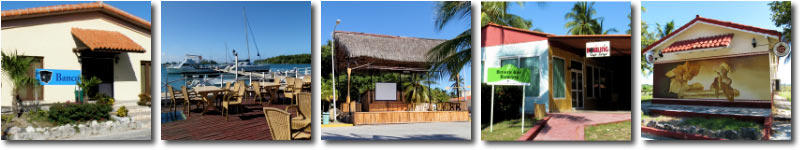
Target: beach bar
x=567, y=72
x=365, y=53
x=69, y=41
x=709, y=62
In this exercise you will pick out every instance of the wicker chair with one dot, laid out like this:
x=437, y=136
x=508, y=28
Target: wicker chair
x=227, y=85
x=259, y=94
x=173, y=107
x=280, y=125
x=303, y=119
x=288, y=91
x=189, y=98
x=307, y=79
x=239, y=99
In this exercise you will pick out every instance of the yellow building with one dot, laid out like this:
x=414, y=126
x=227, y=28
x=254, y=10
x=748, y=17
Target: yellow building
x=93, y=38
x=564, y=74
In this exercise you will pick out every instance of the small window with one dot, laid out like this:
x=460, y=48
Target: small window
x=559, y=84
x=35, y=92
x=511, y=61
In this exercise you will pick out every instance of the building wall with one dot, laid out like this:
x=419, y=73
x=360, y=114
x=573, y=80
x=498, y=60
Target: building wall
x=741, y=47
x=50, y=37
x=565, y=104
x=741, y=43
x=538, y=49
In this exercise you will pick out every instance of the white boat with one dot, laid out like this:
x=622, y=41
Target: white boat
x=191, y=62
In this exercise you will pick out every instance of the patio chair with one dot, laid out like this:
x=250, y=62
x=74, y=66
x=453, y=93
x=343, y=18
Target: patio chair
x=188, y=98
x=280, y=125
x=174, y=104
x=288, y=91
x=259, y=94
x=227, y=85
x=307, y=79
x=303, y=119
x=239, y=99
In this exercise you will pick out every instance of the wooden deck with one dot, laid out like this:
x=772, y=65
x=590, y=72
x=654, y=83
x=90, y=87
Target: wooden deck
x=247, y=124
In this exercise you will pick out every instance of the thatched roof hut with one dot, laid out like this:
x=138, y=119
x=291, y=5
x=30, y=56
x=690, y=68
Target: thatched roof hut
x=382, y=52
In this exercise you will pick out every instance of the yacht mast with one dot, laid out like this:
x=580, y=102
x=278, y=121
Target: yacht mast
x=226, y=53
x=246, y=37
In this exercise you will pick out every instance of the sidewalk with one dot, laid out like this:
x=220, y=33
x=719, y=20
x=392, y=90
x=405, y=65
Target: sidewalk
x=410, y=131
x=570, y=126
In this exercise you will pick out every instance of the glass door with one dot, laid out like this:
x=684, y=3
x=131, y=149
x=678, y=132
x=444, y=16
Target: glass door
x=576, y=89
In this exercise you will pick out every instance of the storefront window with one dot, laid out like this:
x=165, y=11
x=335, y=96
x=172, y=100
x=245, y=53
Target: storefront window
x=559, y=85
x=532, y=63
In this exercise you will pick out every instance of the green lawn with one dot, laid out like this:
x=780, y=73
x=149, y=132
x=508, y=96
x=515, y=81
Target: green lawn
x=786, y=94
x=608, y=132
x=719, y=123
x=508, y=130
x=647, y=97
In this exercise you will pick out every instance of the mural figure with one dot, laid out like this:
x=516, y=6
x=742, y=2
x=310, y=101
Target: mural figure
x=723, y=83
x=681, y=74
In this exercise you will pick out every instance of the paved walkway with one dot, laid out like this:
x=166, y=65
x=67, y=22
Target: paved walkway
x=783, y=108
x=410, y=131
x=569, y=126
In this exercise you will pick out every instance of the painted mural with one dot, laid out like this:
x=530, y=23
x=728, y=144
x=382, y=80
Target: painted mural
x=735, y=78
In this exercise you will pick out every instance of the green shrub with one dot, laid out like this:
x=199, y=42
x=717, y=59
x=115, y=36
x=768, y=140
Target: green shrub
x=104, y=99
x=122, y=111
x=72, y=113
x=144, y=100
x=37, y=115
x=7, y=118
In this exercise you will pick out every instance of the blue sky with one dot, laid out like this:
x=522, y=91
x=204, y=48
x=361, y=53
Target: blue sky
x=549, y=16
x=411, y=19
x=203, y=28
x=753, y=13
x=137, y=8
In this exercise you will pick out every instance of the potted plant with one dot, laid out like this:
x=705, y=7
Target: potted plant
x=85, y=84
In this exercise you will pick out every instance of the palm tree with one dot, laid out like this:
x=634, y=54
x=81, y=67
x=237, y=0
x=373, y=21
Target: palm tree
x=666, y=30
x=600, y=27
x=16, y=68
x=647, y=38
x=451, y=56
x=417, y=89
x=582, y=22
x=497, y=12
x=457, y=86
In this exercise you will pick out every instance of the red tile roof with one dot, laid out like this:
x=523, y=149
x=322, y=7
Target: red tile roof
x=716, y=22
x=111, y=41
x=700, y=43
x=73, y=8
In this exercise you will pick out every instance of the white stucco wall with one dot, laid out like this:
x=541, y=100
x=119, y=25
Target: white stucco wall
x=493, y=55
x=50, y=37
x=740, y=44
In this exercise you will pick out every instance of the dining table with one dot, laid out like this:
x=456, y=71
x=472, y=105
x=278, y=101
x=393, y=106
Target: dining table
x=204, y=92
x=272, y=88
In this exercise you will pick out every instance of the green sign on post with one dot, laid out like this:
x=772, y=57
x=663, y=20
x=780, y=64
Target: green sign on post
x=509, y=75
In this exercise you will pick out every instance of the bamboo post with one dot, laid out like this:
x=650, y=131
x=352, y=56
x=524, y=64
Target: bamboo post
x=349, y=71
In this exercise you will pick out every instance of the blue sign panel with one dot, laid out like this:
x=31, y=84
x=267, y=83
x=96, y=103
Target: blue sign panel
x=57, y=77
